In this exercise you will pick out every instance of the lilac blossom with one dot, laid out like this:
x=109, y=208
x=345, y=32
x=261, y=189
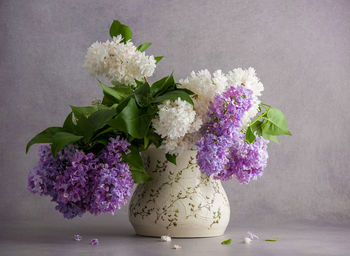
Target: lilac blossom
x=247, y=160
x=212, y=156
x=222, y=151
x=81, y=182
x=227, y=110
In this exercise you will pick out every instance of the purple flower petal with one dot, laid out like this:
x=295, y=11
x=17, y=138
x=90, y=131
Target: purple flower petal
x=252, y=236
x=78, y=237
x=94, y=241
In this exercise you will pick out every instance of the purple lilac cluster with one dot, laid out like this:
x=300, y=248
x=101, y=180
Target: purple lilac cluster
x=81, y=182
x=222, y=150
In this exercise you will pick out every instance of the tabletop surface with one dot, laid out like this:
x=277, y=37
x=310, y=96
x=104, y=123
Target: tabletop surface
x=294, y=239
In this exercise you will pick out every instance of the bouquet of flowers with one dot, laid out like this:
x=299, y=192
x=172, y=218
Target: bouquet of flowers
x=92, y=162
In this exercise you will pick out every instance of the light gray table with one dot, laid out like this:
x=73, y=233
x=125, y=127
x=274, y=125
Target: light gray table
x=294, y=239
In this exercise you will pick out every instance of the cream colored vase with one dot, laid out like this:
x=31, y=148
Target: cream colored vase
x=180, y=202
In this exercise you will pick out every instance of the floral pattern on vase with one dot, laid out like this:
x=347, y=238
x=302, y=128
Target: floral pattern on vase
x=181, y=201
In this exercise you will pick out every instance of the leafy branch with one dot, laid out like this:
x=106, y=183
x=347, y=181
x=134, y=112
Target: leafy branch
x=268, y=125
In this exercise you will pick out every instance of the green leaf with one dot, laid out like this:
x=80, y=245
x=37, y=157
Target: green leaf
x=143, y=95
x=173, y=95
x=62, y=139
x=256, y=127
x=171, y=158
x=104, y=131
x=270, y=138
x=100, y=118
x=253, y=128
x=154, y=138
x=158, y=58
x=163, y=85
x=143, y=47
x=45, y=136
x=115, y=94
x=249, y=135
x=68, y=124
x=83, y=111
x=139, y=82
x=133, y=120
x=145, y=142
x=275, y=123
x=118, y=28
x=103, y=142
x=228, y=241
x=137, y=169
x=189, y=92
x=272, y=239
x=85, y=128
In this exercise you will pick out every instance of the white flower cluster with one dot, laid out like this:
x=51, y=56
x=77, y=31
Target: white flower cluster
x=174, y=120
x=206, y=87
x=248, y=78
x=119, y=62
x=178, y=123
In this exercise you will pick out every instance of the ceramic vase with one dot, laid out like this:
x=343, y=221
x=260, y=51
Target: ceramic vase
x=181, y=201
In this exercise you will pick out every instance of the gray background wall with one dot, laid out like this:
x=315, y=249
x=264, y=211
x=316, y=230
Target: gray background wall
x=300, y=50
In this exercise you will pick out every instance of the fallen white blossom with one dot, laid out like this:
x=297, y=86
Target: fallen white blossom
x=176, y=246
x=247, y=240
x=165, y=238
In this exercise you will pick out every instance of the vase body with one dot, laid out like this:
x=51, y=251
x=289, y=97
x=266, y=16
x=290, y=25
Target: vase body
x=181, y=201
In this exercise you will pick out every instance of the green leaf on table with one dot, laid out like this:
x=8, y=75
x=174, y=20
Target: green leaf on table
x=173, y=95
x=46, y=136
x=171, y=158
x=83, y=111
x=101, y=117
x=158, y=58
x=118, y=28
x=163, y=85
x=62, y=139
x=272, y=239
x=143, y=95
x=143, y=47
x=135, y=163
x=133, y=120
x=275, y=123
x=228, y=241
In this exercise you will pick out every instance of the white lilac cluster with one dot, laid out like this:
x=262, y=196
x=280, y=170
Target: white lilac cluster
x=179, y=126
x=206, y=87
x=174, y=120
x=118, y=61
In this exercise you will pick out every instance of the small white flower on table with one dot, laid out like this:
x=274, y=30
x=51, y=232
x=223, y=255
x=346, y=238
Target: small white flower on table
x=165, y=238
x=176, y=246
x=247, y=240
